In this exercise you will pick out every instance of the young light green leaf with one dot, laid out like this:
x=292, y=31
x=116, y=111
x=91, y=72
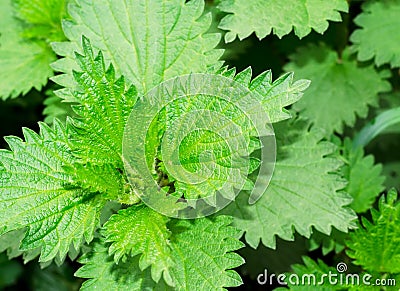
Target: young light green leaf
x=37, y=194
x=378, y=38
x=219, y=136
x=101, y=107
x=147, y=41
x=104, y=103
x=141, y=230
x=280, y=17
x=227, y=134
x=303, y=192
x=23, y=64
x=380, y=237
x=335, y=81
x=98, y=178
x=364, y=176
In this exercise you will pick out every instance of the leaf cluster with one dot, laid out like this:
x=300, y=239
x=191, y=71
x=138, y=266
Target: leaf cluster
x=67, y=194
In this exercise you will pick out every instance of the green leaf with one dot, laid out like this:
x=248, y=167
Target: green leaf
x=378, y=38
x=36, y=194
x=42, y=18
x=379, y=237
x=23, y=64
x=104, y=104
x=335, y=81
x=276, y=94
x=147, y=41
x=261, y=17
x=303, y=192
x=104, y=274
x=364, y=176
x=202, y=250
x=102, y=178
x=101, y=107
x=199, y=253
x=141, y=230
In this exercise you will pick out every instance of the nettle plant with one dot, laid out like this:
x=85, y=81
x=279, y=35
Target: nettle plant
x=146, y=116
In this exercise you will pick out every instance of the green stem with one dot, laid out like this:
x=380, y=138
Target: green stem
x=377, y=126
